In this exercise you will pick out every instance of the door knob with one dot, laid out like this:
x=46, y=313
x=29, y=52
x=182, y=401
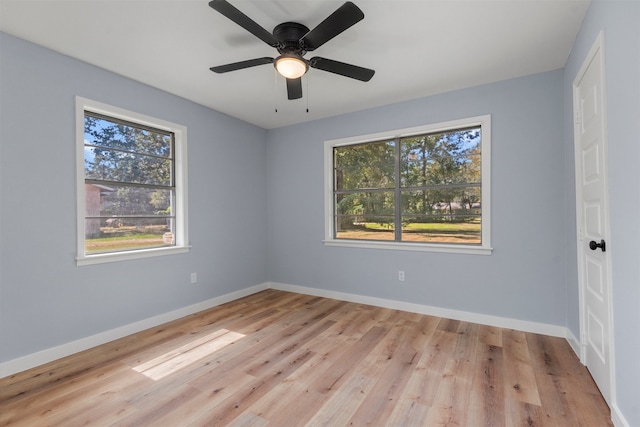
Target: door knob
x=593, y=245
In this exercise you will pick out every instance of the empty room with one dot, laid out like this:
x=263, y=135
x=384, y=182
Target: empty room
x=319, y=213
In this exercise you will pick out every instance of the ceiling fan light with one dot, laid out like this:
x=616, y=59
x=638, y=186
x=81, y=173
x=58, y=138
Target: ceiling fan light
x=291, y=67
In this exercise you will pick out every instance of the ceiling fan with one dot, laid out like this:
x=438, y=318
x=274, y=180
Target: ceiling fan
x=293, y=41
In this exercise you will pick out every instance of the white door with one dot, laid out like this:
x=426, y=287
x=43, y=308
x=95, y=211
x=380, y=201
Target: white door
x=592, y=211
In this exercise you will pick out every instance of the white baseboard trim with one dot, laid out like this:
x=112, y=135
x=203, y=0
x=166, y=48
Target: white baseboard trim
x=484, y=319
x=617, y=418
x=49, y=355
x=574, y=343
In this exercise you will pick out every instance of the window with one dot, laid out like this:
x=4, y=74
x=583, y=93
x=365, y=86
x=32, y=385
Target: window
x=131, y=184
x=424, y=188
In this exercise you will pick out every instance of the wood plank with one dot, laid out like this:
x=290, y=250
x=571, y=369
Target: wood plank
x=453, y=394
x=184, y=358
x=247, y=419
x=519, y=378
x=490, y=335
x=429, y=370
x=340, y=405
x=487, y=397
x=191, y=412
x=93, y=395
x=402, y=346
x=518, y=413
x=395, y=362
x=280, y=358
x=236, y=404
x=250, y=356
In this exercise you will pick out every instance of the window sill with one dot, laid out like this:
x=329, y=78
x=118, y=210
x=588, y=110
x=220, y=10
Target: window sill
x=130, y=255
x=416, y=247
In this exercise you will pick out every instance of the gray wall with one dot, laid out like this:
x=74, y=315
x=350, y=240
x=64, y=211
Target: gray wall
x=45, y=300
x=620, y=21
x=522, y=279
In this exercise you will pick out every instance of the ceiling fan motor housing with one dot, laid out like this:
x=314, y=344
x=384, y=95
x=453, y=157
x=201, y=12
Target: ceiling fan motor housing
x=289, y=35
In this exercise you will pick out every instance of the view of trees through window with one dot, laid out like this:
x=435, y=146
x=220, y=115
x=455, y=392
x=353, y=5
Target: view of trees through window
x=129, y=186
x=424, y=188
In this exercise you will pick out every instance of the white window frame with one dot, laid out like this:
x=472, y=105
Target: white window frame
x=484, y=248
x=180, y=137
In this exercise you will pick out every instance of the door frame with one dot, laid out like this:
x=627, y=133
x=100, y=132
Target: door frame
x=598, y=46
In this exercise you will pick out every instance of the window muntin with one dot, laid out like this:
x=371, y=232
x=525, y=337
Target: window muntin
x=132, y=172
x=424, y=187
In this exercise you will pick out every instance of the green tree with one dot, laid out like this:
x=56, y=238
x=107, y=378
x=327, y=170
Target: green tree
x=435, y=166
x=439, y=177
x=361, y=172
x=134, y=162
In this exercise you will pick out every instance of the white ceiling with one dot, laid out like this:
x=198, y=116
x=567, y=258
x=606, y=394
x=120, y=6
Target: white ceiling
x=417, y=47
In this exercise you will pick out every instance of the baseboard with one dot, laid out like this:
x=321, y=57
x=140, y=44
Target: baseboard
x=574, y=343
x=617, y=418
x=49, y=355
x=484, y=319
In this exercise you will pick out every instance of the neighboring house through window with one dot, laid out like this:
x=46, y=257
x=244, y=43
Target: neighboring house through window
x=423, y=188
x=131, y=184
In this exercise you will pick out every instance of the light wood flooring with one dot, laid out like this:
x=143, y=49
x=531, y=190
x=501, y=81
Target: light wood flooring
x=283, y=359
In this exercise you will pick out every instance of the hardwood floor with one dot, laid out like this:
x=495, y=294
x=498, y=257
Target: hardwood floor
x=284, y=359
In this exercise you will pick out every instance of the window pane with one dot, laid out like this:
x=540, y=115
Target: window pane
x=447, y=215
x=121, y=166
x=383, y=230
x=365, y=166
x=448, y=201
x=111, y=133
x=442, y=158
x=365, y=216
x=442, y=229
x=124, y=234
x=122, y=200
x=416, y=173
x=120, y=218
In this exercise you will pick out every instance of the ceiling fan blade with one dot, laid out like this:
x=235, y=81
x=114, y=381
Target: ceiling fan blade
x=228, y=10
x=337, y=67
x=294, y=88
x=344, y=17
x=240, y=65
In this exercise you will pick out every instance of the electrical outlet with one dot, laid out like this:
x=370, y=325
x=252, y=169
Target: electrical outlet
x=401, y=275
x=194, y=277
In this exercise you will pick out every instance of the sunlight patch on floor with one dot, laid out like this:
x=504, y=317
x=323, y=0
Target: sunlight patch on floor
x=187, y=354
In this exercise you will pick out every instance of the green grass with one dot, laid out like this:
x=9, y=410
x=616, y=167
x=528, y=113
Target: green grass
x=422, y=227
x=125, y=237
x=123, y=241
x=435, y=232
